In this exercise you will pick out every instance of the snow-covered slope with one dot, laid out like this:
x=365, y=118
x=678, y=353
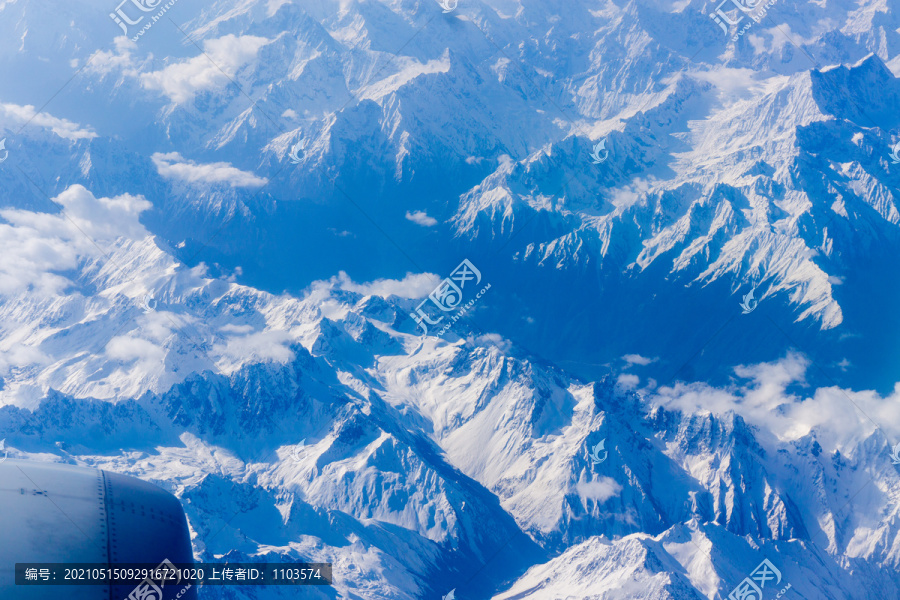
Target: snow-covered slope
x=424, y=136
x=326, y=428
x=152, y=217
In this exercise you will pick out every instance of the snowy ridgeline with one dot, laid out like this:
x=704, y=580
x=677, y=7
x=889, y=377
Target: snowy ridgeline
x=323, y=426
x=327, y=428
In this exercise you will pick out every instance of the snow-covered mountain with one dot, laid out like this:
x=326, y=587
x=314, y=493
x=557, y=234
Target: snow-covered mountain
x=425, y=136
x=325, y=428
x=217, y=236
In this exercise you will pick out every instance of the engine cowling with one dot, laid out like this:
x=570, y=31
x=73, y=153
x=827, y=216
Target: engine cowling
x=56, y=513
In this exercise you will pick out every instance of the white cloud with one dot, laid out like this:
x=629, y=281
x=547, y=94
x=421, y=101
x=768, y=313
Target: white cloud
x=104, y=218
x=637, y=359
x=599, y=491
x=61, y=127
x=214, y=69
x=128, y=349
x=104, y=62
x=55, y=277
x=19, y=355
x=70, y=281
x=39, y=247
x=628, y=381
x=412, y=286
x=180, y=82
x=779, y=36
x=420, y=217
x=491, y=339
x=629, y=195
x=839, y=417
x=731, y=83
x=261, y=346
x=173, y=166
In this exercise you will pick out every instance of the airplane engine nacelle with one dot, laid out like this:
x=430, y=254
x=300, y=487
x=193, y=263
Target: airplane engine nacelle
x=55, y=513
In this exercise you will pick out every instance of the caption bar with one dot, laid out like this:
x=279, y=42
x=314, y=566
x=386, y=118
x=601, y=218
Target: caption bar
x=174, y=574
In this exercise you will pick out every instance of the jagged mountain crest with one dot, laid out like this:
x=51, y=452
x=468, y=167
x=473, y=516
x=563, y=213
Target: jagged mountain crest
x=208, y=336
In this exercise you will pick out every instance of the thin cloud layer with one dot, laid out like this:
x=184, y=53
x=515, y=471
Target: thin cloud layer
x=213, y=69
x=599, y=491
x=172, y=165
x=40, y=247
x=416, y=285
x=63, y=128
x=420, y=217
x=840, y=418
